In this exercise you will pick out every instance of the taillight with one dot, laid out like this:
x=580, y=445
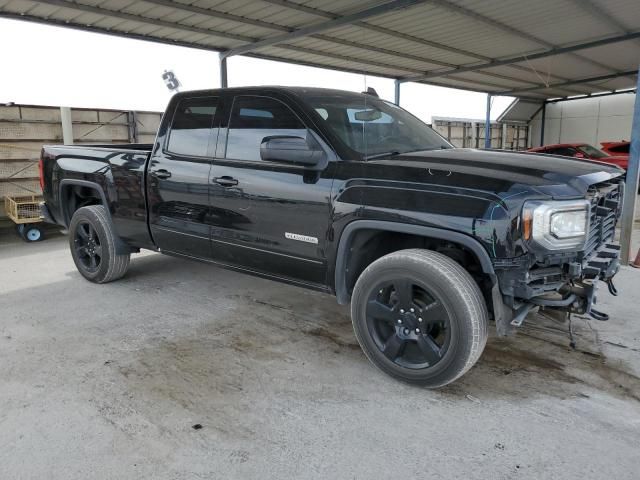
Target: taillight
x=41, y=171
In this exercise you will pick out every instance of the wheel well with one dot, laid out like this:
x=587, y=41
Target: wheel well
x=368, y=245
x=74, y=197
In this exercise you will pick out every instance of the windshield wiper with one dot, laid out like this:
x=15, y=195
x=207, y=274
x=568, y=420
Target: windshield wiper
x=380, y=155
x=441, y=147
x=393, y=153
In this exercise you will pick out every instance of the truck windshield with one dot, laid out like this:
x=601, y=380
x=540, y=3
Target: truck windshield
x=370, y=126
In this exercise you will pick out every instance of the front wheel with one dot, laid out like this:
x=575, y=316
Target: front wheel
x=93, y=244
x=419, y=317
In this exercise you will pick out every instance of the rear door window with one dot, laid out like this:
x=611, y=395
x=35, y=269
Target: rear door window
x=192, y=127
x=252, y=119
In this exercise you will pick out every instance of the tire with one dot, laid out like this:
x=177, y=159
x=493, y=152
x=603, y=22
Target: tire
x=30, y=232
x=419, y=317
x=93, y=245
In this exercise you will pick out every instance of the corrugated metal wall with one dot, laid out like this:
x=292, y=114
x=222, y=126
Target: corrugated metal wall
x=25, y=128
x=589, y=120
x=470, y=133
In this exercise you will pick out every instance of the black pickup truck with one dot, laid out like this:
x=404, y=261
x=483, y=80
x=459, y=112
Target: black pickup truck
x=350, y=195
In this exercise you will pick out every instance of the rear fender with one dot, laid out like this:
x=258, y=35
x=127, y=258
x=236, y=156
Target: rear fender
x=121, y=247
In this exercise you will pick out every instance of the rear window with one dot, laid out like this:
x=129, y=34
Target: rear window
x=191, y=129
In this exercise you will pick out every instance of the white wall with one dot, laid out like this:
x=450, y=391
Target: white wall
x=590, y=120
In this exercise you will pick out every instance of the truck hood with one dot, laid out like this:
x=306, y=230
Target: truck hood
x=549, y=174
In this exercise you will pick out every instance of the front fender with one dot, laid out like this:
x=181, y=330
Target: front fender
x=344, y=245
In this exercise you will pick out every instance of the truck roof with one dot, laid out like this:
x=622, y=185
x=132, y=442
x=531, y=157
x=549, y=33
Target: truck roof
x=279, y=88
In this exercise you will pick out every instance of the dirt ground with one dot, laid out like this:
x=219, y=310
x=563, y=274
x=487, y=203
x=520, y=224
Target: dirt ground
x=182, y=370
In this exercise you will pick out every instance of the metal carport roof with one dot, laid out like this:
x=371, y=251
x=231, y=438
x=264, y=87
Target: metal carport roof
x=542, y=49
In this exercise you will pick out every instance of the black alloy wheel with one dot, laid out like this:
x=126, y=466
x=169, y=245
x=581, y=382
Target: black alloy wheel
x=419, y=316
x=99, y=254
x=87, y=246
x=408, y=324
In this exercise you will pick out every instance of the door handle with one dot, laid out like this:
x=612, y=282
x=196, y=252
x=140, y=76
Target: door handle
x=226, y=181
x=161, y=174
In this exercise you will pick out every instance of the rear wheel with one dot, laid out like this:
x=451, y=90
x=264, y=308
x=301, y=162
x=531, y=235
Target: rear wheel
x=93, y=245
x=419, y=317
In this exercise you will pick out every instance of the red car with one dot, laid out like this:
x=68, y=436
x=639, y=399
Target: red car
x=583, y=150
x=616, y=149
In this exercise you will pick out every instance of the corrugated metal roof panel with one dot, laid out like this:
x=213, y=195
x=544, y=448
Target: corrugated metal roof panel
x=520, y=110
x=422, y=38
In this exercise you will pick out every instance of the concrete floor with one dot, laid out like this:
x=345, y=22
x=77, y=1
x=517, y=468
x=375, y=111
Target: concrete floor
x=107, y=381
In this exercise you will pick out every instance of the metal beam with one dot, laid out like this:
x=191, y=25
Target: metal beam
x=487, y=124
x=482, y=85
x=543, y=121
x=324, y=26
x=223, y=72
x=523, y=58
x=347, y=58
x=396, y=96
x=629, y=204
x=600, y=78
x=592, y=95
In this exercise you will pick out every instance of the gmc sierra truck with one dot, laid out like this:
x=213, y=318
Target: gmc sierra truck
x=350, y=195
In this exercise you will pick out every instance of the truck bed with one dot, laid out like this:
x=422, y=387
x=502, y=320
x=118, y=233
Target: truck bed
x=79, y=173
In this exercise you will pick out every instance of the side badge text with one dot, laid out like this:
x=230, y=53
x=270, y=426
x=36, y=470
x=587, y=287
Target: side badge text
x=301, y=238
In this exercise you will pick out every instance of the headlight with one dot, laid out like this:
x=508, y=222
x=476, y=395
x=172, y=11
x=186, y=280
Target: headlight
x=556, y=225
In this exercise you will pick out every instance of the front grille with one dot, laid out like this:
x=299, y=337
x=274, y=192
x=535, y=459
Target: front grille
x=606, y=203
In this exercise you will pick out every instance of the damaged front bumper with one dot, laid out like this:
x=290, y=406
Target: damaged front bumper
x=570, y=286
x=562, y=283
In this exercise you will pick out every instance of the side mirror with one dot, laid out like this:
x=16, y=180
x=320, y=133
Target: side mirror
x=292, y=149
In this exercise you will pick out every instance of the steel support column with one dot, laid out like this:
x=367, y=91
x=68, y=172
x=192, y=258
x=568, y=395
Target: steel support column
x=67, y=125
x=223, y=71
x=544, y=119
x=132, y=123
x=397, y=85
x=487, y=124
x=631, y=190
